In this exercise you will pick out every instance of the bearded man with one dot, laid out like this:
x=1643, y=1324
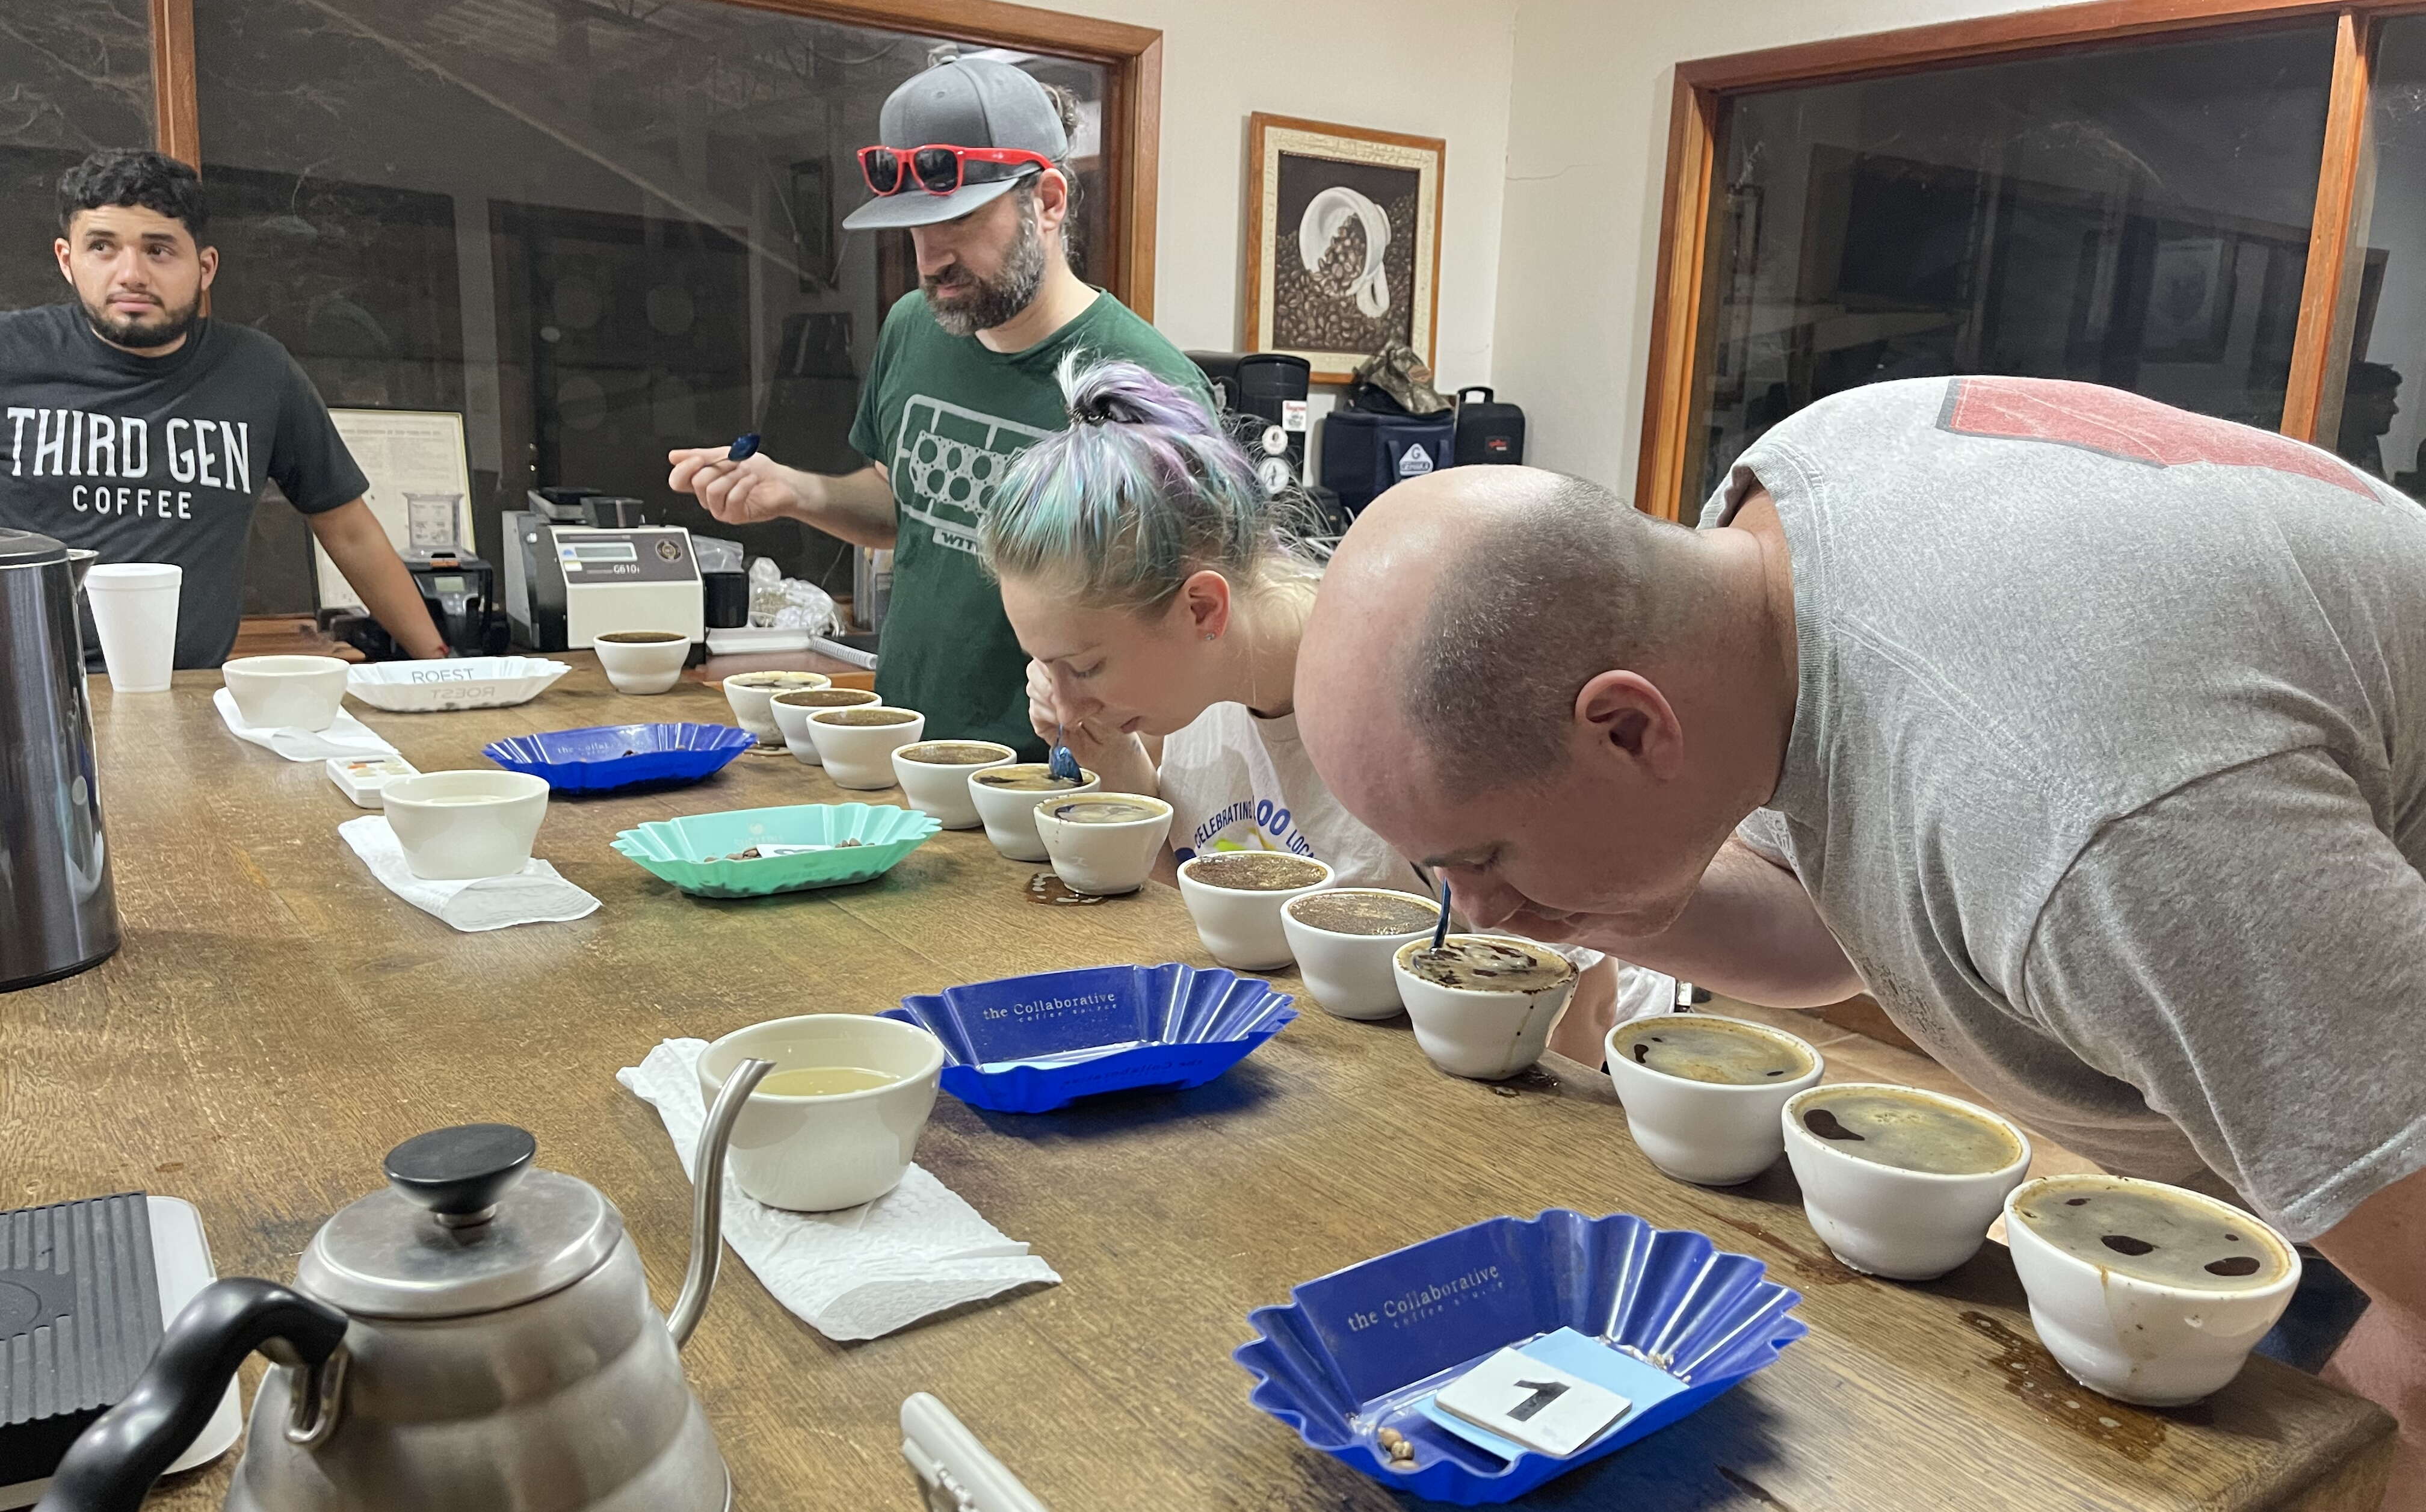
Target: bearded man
x=141, y=430
x=974, y=163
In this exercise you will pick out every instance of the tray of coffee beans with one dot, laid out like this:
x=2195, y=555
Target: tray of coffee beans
x=1361, y=1361
x=1029, y=1044
x=749, y=852
x=605, y=757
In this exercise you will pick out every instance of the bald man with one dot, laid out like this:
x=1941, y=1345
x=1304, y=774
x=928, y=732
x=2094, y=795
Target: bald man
x=2088, y=734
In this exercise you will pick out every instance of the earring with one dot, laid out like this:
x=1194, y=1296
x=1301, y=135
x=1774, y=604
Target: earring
x=1212, y=634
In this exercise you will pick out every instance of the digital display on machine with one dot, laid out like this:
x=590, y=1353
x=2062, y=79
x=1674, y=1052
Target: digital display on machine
x=603, y=550
x=447, y=585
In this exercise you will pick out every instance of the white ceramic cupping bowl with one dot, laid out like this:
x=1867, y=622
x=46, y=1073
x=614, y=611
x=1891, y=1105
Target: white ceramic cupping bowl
x=942, y=788
x=641, y=667
x=792, y=718
x=1009, y=815
x=1350, y=975
x=286, y=692
x=448, y=840
x=1242, y=930
x=748, y=693
x=861, y=756
x=1468, y=1031
x=1711, y=1134
x=1907, y=1226
x=817, y=1154
x=1102, y=858
x=2134, y=1340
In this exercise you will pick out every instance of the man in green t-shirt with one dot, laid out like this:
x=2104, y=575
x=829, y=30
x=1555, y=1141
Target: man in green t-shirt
x=962, y=381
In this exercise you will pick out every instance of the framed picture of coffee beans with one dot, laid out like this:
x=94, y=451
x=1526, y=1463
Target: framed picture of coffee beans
x=1343, y=241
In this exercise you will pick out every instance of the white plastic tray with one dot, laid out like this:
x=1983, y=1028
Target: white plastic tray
x=463, y=682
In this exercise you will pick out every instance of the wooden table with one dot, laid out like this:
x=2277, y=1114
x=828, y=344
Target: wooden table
x=276, y=1021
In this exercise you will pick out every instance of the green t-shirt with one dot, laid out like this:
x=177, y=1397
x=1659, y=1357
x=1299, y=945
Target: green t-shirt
x=945, y=415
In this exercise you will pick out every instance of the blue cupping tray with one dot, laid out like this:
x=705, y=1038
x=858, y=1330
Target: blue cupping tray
x=1180, y=1026
x=603, y=757
x=1356, y=1350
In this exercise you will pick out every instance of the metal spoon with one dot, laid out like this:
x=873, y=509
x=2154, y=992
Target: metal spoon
x=1440, y=930
x=1063, y=767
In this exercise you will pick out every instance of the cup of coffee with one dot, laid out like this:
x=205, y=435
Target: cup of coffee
x=748, y=694
x=2144, y=1292
x=1236, y=897
x=1102, y=842
x=1898, y=1181
x=1343, y=940
x=1006, y=798
x=836, y=1122
x=286, y=692
x=790, y=709
x=1702, y=1092
x=1482, y=1004
x=459, y=825
x=641, y=662
x=934, y=776
x=856, y=745
x=135, y=611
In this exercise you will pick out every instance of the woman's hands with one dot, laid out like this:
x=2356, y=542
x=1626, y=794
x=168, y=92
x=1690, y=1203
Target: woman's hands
x=1117, y=757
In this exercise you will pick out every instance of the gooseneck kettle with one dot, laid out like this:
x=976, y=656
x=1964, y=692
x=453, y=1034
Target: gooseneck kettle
x=478, y=1338
x=57, y=913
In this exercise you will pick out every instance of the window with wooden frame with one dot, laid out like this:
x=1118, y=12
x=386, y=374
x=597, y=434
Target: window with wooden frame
x=2219, y=203
x=597, y=229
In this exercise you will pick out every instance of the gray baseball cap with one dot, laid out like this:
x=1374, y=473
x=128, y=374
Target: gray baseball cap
x=966, y=101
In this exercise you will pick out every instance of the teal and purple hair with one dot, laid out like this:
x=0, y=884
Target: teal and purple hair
x=1144, y=489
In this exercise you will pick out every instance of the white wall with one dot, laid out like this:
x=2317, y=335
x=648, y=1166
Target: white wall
x=1432, y=68
x=1587, y=160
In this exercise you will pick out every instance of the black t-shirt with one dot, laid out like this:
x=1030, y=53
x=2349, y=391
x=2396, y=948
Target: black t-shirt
x=160, y=458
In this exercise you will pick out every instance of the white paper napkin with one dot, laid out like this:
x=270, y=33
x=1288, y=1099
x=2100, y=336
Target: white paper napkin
x=860, y=1273
x=535, y=894
x=348, y=736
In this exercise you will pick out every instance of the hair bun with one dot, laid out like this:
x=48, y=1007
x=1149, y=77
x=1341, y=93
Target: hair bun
x=1126, y=393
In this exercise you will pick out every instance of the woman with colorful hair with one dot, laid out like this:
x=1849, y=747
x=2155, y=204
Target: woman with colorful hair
x=1160, y=593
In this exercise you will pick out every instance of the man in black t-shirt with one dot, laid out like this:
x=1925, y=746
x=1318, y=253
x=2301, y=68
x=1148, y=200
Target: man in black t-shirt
x=139, y=430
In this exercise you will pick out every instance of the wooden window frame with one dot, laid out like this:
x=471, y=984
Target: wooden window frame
x=1685, y=300
x=1132, y=56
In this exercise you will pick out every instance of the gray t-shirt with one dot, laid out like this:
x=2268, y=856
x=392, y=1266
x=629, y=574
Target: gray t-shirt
x=160, y=458
x=2109, y=770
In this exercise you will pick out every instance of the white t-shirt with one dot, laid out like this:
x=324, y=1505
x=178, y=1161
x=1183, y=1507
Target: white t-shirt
x=1237, y=781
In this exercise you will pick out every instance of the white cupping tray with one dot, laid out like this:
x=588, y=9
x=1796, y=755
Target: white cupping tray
x=462, y=682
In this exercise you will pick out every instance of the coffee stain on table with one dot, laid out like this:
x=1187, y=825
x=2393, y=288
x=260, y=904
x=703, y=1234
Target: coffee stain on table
x=1048, y=889
x=1751, y=1488
x=1822, y=1269
x=2031, y=1374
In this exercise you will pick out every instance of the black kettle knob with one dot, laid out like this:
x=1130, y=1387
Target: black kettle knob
x=460, y=1173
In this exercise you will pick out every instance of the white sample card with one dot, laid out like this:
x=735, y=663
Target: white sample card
x=1539, y=1406
x=420, y=486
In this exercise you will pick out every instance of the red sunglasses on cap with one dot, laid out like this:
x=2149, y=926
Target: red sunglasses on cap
x=937, y=169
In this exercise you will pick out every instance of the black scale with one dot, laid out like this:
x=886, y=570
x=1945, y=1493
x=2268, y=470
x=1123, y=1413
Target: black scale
x=79, y=1319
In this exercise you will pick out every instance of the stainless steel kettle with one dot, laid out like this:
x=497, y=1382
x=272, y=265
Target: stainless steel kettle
x=57, y=913
x=478, y=1338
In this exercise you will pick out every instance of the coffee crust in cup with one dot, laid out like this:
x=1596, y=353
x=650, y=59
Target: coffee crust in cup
x=953, y=753
x=1029, y=776
x=1368, y=913
x=1256, y=871
x=1909, y=1131
x=2154, y=1233
x=1478, y=964
x=1700, y=1049
x=863, y=714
